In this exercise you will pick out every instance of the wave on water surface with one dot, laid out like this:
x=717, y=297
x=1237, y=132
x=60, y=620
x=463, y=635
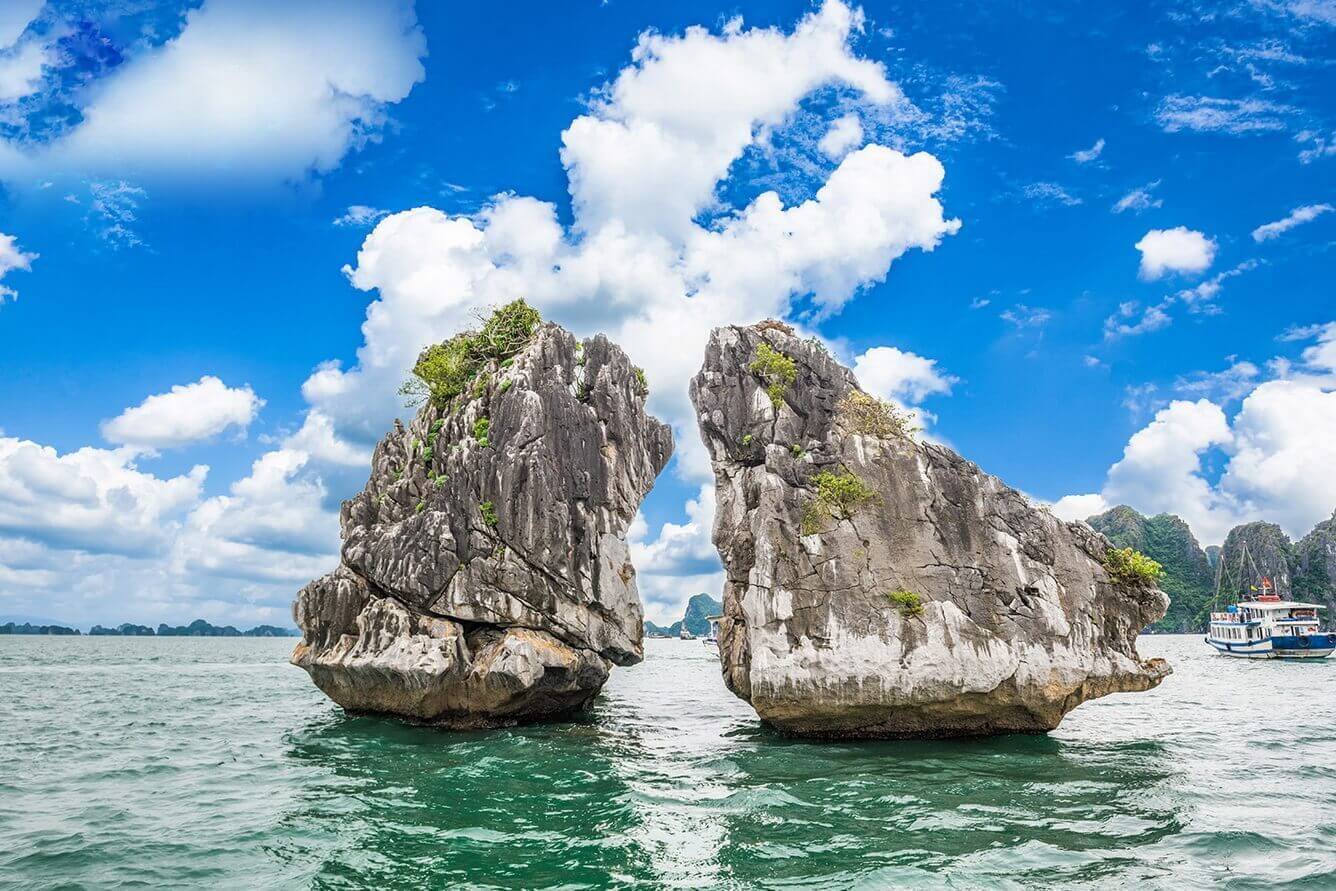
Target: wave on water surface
x=182, y=762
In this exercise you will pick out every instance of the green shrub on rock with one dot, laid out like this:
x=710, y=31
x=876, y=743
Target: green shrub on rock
x=842, y=493
x=443, y=370
x=480, y=429
x=838, y=495
x=909, y=603
x=507, y=330
x=871, y=416
x=814, y=516
x=1127, y=566
x=777, y=370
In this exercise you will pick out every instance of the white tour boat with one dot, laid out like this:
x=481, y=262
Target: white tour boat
x=1263, y=626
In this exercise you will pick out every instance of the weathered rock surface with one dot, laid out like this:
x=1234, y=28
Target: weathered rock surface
x=485, y=577
x=1270, y=554
x=1189, y=578
x=1019, y=621
x=1315, y=565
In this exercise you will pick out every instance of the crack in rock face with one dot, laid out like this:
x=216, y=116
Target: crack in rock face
x=485, y=578
x=882, y=587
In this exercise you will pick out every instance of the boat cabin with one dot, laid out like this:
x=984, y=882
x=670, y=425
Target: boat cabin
x=1250, y=617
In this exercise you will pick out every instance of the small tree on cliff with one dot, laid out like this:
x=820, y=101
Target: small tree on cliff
x=444, y=370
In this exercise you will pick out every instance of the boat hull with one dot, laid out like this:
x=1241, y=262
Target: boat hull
x=1310, y=646
x=1260, y=649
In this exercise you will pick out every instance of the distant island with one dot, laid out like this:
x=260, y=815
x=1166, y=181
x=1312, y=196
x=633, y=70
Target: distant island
x=695, y=620
x=197, y=628
x=1303, y=569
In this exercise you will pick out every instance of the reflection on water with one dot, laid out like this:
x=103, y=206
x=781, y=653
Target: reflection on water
x=205, y=762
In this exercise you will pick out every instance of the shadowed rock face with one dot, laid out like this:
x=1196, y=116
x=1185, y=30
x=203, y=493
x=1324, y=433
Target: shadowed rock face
x=485, y=577
x=1019, y=621
x=1315, y=564
x=1270, y=554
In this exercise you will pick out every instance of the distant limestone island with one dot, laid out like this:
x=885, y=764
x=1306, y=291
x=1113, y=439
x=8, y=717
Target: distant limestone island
x=695, y=620
x=197, y=628
x=1302, y=570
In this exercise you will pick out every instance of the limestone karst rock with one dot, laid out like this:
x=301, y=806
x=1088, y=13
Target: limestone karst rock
x=1270, y=554
x=485, y=577
x=1189, y=577
x=878, y=586
x=1315, y=565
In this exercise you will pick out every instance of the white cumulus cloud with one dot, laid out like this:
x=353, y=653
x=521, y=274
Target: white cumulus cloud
x=645, y=164
x=21, y=70
x=637, y=263
x=248, y=89
x=1178, y=250
x=901, y=376
x=187, y=413
x=90, y=499
x=273, y=526
x=1277, y=452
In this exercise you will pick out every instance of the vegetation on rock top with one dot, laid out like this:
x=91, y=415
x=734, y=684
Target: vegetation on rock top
x=444, y=370
x=871, y=416
x=1128, y=566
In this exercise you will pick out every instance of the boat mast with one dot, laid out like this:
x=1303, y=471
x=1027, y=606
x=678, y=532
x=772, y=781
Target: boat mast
x=1219, y=574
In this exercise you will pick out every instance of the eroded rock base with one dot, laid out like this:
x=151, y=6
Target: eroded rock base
x=372, y=654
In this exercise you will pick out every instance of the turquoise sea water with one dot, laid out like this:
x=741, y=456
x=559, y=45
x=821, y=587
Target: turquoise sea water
x=213, y=763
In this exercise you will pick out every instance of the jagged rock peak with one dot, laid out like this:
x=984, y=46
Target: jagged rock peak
x=485, y=577
x=1270, y=553
x=1315, y=564
x=881, y=586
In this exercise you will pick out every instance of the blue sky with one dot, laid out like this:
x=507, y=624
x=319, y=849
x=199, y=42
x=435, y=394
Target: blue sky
x=201, y=203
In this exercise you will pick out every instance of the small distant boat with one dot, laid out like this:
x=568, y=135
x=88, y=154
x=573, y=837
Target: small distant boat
x=1263, y=626
x=712, y=639
x=686, y=635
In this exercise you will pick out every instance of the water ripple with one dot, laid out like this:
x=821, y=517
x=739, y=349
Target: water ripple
x=206, y=762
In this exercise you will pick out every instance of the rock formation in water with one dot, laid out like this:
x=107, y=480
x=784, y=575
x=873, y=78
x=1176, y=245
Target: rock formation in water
x=198, y=628
x=485, y=577
x=125, y=629
x=1314, y=574
x=877, y=586
x=28, y=628
x=1305, y=570
x=696, y=619
x=1270, y=554
x=1189, y=578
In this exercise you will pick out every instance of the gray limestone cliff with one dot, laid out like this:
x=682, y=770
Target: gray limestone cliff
x=1270, y=554
x=1315, y=565
x=878, y=586
x=485, y=577
x=1189, y=577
